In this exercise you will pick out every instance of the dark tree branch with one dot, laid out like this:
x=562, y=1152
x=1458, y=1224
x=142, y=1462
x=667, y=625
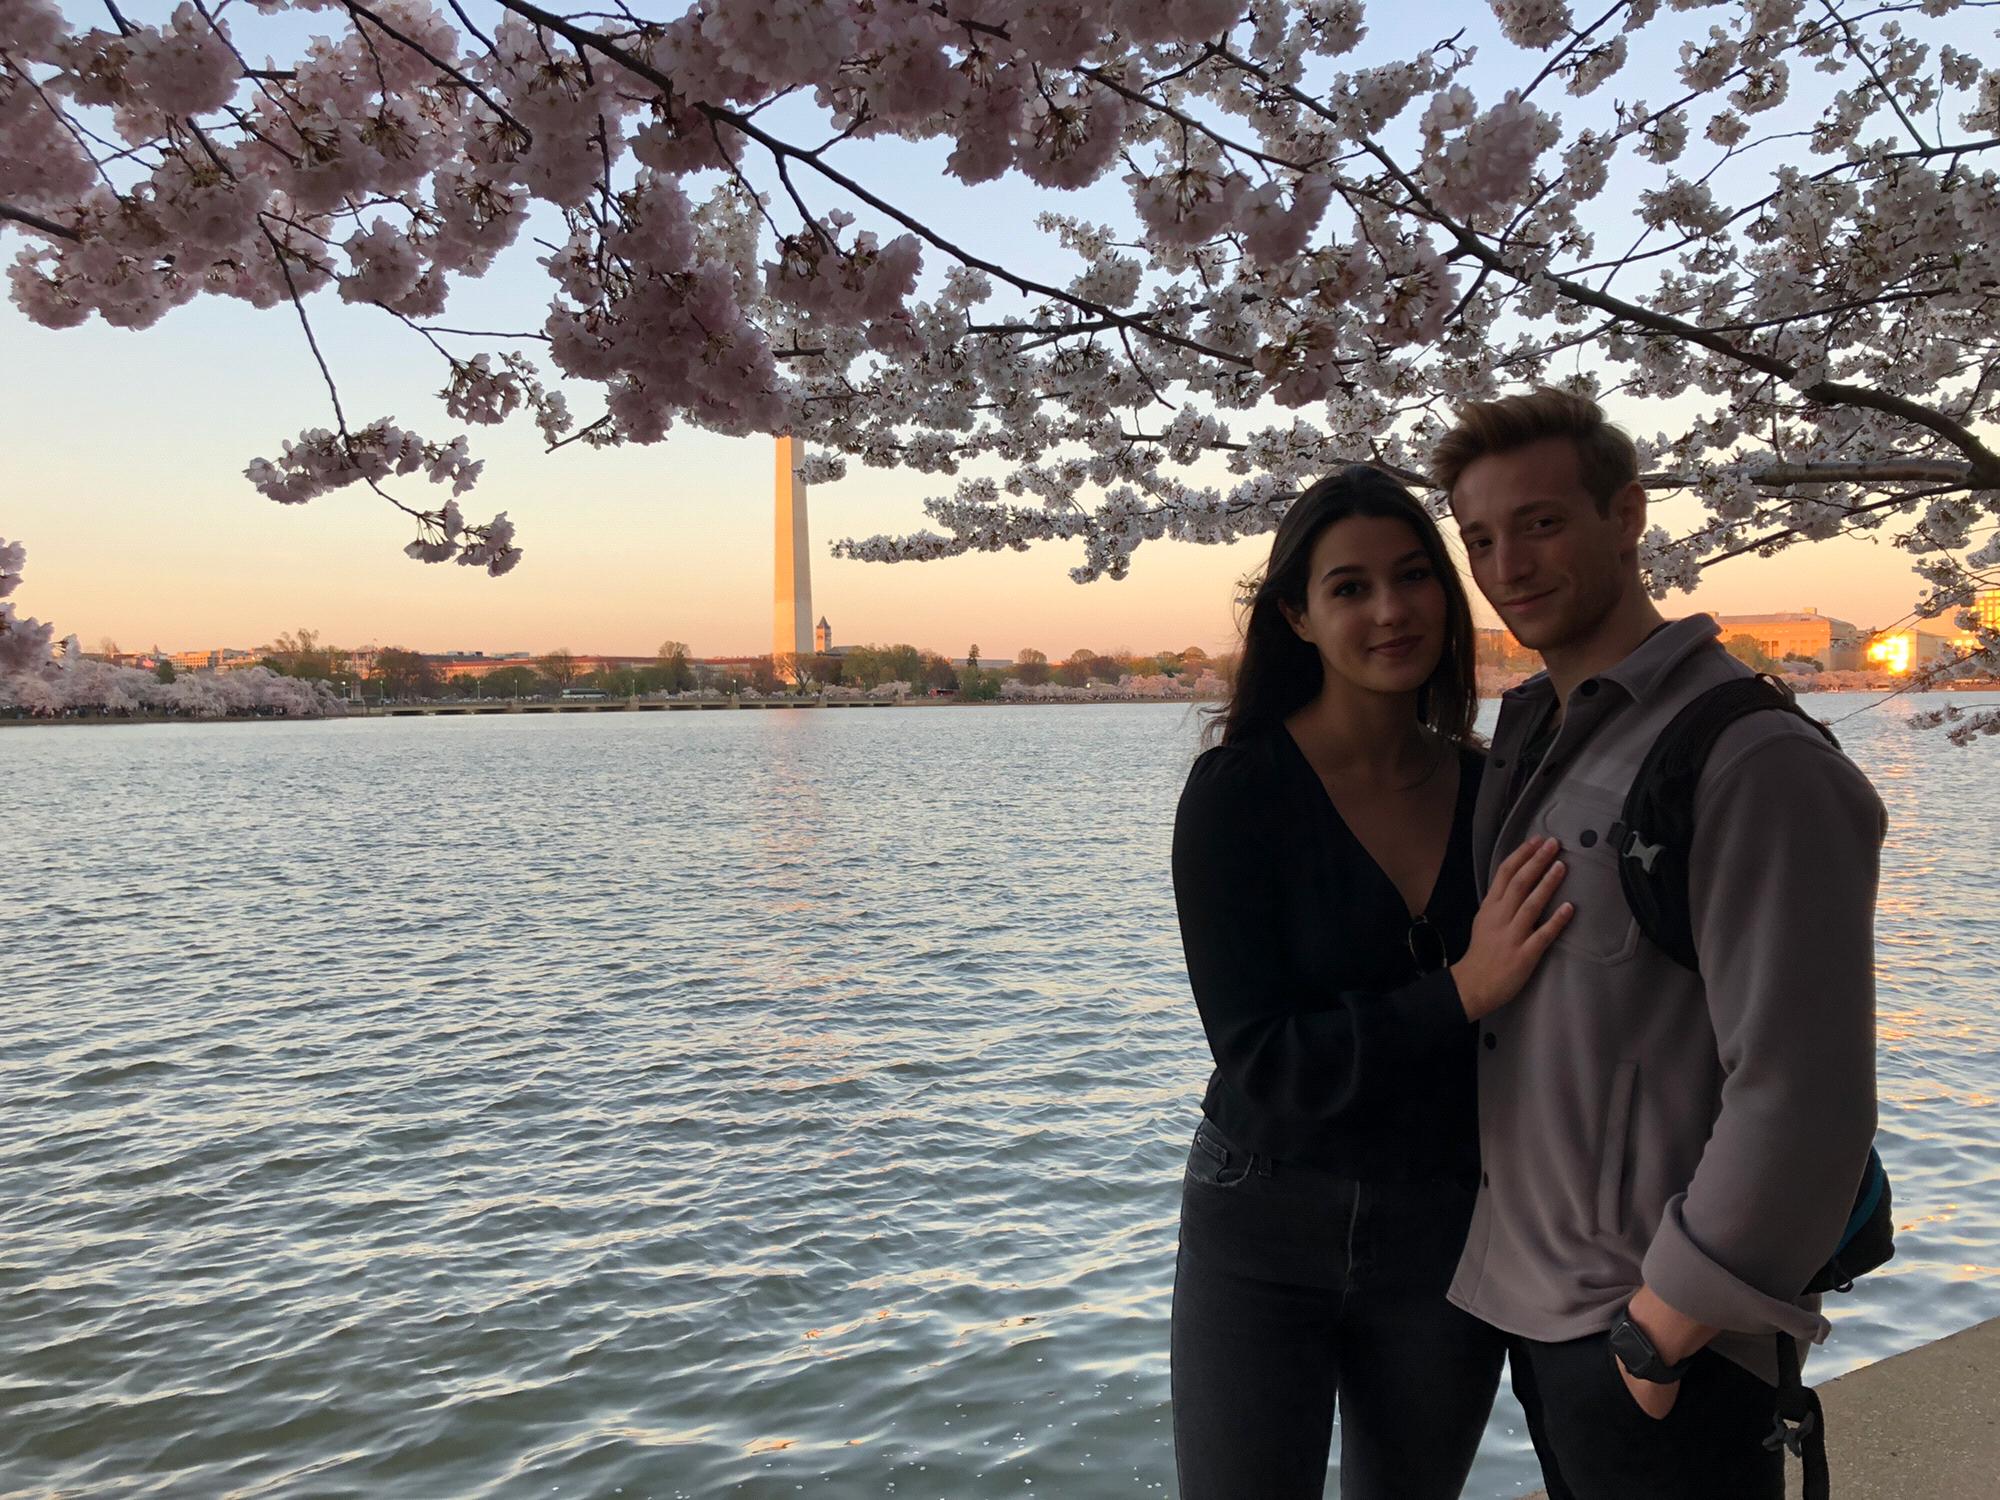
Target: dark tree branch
x=360, y=12
x=580, y=434
x=37, y=222
x=581, y=38
x=1860, y=53
x=1769, y=539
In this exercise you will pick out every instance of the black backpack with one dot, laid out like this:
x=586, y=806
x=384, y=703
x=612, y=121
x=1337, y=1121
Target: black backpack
x=1654, y=836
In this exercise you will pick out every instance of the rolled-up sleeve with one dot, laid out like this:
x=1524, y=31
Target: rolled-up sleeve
x=1782, y=886
x=1306, y=1052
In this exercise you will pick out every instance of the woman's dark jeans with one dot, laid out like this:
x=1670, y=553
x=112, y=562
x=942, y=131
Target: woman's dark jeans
x=1296, y=1289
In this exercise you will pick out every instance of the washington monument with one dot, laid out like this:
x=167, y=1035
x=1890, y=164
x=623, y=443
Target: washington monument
x=791, y=614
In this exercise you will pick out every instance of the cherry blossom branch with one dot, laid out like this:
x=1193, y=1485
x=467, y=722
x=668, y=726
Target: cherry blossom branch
x=37, y=223
x=580, y=37
x=332, y=390
x=1860, y=54
x=1435, y=280
x=1771, y=539
x=963, y=256
x=465, y=82
x=1985, y=461
x=467, y=22
x=582, y=434
x=1555, y=63
x=1106, y=79
x=1955, y=476
x=1758, y=205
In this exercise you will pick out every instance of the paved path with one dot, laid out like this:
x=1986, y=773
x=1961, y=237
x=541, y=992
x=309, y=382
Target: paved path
x=1922, y=1426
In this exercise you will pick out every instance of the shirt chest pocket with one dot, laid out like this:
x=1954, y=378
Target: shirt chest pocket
x=1603, y=929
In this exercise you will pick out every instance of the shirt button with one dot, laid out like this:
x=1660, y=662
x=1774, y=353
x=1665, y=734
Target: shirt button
x=1484, y=1180
x=1499, y=762
x=1589, y=690
x=1492, y=1041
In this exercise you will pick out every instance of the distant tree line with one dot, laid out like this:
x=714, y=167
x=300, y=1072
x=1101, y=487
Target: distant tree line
x=396, y=673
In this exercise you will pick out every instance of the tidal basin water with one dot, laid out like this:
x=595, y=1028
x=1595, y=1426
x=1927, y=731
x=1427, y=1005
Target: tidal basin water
x=688, y=1105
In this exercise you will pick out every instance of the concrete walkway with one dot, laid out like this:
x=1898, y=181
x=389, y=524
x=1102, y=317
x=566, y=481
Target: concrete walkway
x=1921, y=1426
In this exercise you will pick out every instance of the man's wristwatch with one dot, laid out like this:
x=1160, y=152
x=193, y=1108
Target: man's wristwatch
x=1636, y=1353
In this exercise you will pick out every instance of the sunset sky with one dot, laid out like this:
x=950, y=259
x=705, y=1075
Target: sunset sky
x=124, y=455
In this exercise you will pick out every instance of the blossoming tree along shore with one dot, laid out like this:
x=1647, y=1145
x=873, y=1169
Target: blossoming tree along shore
x=1796, y=231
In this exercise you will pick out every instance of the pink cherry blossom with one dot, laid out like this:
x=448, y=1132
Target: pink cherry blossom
x=13, y=557
x=1801, y=259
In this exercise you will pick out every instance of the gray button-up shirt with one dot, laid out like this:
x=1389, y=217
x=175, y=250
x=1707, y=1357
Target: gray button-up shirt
x=1704, y=1134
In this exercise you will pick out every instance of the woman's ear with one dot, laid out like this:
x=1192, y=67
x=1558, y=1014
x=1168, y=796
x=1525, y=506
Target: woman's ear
x=1297, y=622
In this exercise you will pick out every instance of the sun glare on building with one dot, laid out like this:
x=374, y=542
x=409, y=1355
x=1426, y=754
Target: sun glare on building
x=1891, y=652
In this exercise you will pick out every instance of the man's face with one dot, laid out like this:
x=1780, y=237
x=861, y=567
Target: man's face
x=1549, y=563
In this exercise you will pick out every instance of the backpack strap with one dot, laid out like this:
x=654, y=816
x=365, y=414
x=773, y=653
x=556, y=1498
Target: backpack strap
x=1654, y=836
x=1655, y=841
x=1799, y=1426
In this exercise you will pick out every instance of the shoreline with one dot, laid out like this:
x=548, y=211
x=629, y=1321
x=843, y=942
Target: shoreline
x=489, y=709
x=478, y=708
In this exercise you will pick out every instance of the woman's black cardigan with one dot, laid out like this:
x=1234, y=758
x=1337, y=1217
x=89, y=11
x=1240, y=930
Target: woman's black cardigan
x=1331, y=1048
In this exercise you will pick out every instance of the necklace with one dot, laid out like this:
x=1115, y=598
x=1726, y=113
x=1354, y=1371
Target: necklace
x=1437, y=759
x=1438, y=752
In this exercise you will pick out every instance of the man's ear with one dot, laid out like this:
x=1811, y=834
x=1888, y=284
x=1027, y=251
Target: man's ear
x=1628, y=509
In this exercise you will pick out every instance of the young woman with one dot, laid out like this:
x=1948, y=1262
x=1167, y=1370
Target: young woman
x=1339, y=957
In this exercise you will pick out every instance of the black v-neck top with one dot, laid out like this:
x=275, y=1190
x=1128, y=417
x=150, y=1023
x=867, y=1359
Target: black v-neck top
x=1331, y=1048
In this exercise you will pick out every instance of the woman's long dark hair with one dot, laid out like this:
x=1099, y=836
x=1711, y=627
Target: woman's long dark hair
x=1277, y=674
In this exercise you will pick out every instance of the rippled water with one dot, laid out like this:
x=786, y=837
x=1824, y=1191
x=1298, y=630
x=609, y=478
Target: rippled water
x=693, y=1105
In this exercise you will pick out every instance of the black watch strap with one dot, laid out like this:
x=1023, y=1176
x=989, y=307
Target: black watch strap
x=1641, y=1360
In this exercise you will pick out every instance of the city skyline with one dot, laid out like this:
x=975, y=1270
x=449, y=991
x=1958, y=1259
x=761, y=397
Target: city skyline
x=239, y=652
x=1005, y=642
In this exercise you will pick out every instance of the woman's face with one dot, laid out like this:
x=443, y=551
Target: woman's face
x=1374, y=605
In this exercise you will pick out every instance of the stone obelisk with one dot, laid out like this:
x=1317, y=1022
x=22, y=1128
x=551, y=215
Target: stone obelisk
x=791, y=615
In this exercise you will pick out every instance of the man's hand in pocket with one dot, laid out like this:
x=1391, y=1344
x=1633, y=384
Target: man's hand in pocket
x=1653, y=1399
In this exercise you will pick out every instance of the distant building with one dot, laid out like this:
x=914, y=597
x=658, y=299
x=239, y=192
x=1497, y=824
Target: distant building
x=1498, y=651
x=479, y=665
x=219, y=659
x=1834, y=644
x=823, y=637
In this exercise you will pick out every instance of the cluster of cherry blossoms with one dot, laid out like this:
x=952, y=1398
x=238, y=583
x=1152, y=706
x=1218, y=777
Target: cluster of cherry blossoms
x=1964, y=725
x=1311, y=253
x=1205, y=687
x=72, y=684
x=24, y=641
x=322, y=460
x=40, y=680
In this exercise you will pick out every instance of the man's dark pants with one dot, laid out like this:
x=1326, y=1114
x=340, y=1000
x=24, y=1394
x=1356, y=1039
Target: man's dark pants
x=1595, y=1443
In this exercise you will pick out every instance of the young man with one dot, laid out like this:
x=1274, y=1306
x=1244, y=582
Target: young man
x=1669, y=1156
